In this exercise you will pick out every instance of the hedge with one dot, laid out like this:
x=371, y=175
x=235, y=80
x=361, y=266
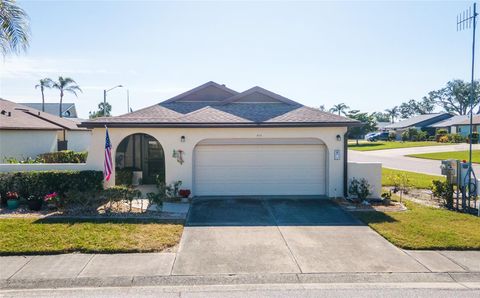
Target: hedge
x=39, y=183
x=65, y=156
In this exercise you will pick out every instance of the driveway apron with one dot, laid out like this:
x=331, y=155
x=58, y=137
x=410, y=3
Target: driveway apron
x=235, y=235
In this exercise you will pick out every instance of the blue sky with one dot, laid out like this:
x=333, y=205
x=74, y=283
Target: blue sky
x=370, y=55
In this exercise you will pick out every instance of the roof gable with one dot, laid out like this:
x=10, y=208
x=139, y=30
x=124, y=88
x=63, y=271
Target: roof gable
x=259, y=95
x=208, y=92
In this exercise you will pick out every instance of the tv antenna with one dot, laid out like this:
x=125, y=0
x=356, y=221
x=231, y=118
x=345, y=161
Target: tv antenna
x=465, y=20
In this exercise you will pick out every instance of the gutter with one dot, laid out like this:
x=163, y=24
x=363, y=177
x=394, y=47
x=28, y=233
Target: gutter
x=345, y=164
x=217, y=125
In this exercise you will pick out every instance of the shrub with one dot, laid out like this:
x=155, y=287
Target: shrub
x=40, y=183
x=442, y=131
x=474, y=138
x=405, y=136
x=455, y=138
x=392, y=136
x=432, y=138
x=422, y=136
x=443, y=139
x=443, y=190
x=359, y=188
x=124, y=176
x=121, y=193
x=66, y=156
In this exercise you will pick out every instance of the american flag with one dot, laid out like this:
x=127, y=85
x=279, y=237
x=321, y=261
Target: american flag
x=107, y=164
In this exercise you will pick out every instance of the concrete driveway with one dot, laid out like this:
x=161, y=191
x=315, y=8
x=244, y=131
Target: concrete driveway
x=396, y=159
x=282, y=235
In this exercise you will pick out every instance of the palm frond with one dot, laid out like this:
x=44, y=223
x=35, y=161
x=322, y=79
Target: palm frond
x=14, y=28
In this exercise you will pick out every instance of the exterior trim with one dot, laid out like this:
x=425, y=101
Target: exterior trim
x=217, y=125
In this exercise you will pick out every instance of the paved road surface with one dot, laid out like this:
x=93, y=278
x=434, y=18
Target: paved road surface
x=437, y=290
x=396, y=159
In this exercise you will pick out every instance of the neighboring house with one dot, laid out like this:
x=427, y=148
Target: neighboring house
x=218, y=141
x=26, y=132
x=68, y=109
x=420, y=122
x=450, y=124
x=381, y=126
x=463, y=127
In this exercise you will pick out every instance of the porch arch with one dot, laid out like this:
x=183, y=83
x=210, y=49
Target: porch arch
x=141, y=153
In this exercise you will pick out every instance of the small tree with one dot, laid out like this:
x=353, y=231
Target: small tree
x=401, y=183
x=368, y=124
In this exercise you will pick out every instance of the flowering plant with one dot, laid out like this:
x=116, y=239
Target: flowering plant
x=52, y=198
x=12, y=195
x=184, y=193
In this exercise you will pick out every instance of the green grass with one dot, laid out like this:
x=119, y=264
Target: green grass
x=380, y=145
x=426, y=228
x=461, y=155
x=33, y=236
x=417, y=180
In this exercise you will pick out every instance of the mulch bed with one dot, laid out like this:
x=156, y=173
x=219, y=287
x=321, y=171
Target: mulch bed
x=348, y=205
x=117, y=210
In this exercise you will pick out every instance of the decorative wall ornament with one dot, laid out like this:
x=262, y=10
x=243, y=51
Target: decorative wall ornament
x=178, y=154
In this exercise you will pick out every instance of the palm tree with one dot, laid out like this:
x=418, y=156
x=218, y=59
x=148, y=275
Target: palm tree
x=393, y=113
x=14, y=28
x=340, y=108
x=65, y=85
x=43, y=84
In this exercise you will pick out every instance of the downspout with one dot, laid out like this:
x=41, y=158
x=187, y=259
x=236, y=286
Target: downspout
x=345, y=164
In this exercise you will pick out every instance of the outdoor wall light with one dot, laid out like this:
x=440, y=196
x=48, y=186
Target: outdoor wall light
x=339, y=138
x=182, y=139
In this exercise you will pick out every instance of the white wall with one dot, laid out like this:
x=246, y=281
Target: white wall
x=372, y=171
x=22, y=144
x=44, y=167
x=169, y=138
x=78, y=140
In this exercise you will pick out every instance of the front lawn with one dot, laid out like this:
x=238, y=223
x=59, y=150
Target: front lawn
x=34, y=236
x=423, y=227
x=417, y=180
x=381, y=145
x=461, y=155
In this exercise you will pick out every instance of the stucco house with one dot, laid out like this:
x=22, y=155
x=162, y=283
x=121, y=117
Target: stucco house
x=218, y=141
x=26, y=132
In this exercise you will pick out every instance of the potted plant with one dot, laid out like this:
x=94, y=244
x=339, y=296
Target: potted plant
x=12, y=200
x=52, y=199
x=34, y=202
x=184, y=193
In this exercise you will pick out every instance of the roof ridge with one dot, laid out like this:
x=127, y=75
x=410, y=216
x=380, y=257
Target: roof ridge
x=209, y=83
x=261, y=90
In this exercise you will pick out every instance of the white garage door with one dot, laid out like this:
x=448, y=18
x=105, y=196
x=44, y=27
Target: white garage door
x=259, y=170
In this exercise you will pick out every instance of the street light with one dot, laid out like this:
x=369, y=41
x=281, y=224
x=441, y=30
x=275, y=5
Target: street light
x=105, y=98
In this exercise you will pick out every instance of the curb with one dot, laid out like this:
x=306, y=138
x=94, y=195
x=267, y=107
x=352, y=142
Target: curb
x=241, y=279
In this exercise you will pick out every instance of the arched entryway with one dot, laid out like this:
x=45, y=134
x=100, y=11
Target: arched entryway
x=142, y=154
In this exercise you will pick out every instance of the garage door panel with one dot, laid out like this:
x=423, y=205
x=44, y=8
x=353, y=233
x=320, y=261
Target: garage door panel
x=259, y=170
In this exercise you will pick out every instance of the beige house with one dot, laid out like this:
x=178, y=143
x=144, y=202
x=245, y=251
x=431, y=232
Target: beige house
x=218, y=141
x=26, y=132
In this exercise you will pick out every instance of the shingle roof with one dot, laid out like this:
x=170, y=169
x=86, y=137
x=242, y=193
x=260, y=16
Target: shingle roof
x=415, y=120
x=466, y=121
x=457, y=119
x=17, y=116
x=52, y=108
x=255, y=106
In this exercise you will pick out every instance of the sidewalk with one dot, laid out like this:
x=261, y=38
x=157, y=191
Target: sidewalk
x=84, y=270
